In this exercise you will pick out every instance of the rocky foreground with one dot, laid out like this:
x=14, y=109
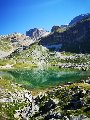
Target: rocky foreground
x=70, y=101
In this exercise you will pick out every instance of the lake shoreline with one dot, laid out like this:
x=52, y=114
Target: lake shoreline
x=57, y=96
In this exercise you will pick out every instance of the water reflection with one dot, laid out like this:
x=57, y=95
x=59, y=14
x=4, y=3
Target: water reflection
x=43, y=78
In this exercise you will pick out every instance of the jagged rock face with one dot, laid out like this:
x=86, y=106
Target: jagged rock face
x=78, y=18
x=55, y=28
x=73, y=39
x=36, y=33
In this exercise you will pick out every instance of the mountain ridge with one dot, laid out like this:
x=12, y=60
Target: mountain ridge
x=79, y=18
x=69, y=38
x=75, y=38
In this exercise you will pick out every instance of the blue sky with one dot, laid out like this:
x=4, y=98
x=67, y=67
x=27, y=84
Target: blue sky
x=22, y=15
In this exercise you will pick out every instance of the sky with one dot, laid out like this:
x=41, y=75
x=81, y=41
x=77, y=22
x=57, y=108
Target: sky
x=22, y=15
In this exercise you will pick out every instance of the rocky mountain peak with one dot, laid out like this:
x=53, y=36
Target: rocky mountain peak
x=36, y=33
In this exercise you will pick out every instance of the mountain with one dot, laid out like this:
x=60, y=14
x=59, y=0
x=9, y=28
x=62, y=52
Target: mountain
x=18, y=42
x=74, y=38
x=78, y=18
x=36, y=33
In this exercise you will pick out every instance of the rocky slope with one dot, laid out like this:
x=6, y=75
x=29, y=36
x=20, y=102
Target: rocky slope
x=65, y=102
x=18, y=42
x=12, y=42
x=70, y=101
x=73, y=39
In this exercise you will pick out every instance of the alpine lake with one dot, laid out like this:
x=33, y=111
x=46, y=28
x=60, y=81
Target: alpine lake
x=36, y=78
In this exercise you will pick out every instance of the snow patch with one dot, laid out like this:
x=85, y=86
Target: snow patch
x=56, y=47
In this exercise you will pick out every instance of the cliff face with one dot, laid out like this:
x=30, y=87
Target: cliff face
x=73, y=39
x=59, y=28
x=54, y=28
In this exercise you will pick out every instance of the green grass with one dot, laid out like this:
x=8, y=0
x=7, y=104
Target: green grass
x=5, y=45
x=4, y=62
x=24, y=65
x=61, y=30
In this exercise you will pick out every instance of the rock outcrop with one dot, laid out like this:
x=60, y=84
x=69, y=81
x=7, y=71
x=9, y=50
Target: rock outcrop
x=58, y=28
x=54, y=28
x=66, y=102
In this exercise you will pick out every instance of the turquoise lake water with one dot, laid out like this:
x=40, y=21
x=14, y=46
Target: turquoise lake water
x=43, y=78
